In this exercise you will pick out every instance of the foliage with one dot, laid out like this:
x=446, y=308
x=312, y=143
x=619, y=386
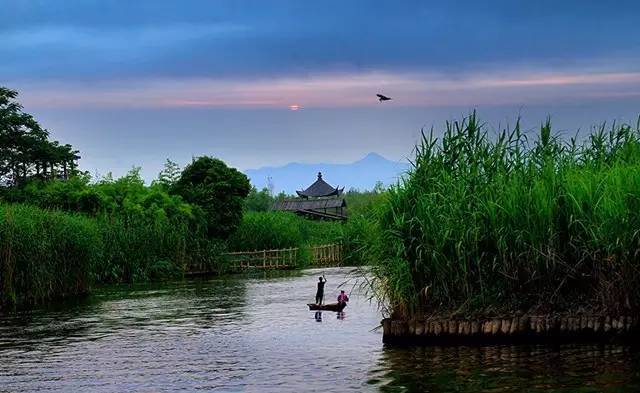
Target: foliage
x=258, y=201
x=126, y=197
x=45, y=253
x=275, y=230
x=25, y=149
x=169, y=175
x=267, y=230
x=486, y=223
x=363, y=203
x=49, y=253
x=218, y=190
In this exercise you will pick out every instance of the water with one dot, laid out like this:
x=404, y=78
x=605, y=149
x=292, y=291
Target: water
x=256, y=334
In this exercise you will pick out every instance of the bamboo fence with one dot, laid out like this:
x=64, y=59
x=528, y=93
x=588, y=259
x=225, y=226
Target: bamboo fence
x=328, y=254
x=284, y=258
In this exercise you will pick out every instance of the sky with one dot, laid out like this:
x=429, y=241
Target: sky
x=264, y=83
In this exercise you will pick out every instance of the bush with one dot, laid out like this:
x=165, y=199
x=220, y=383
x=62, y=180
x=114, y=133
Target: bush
x=218, y=190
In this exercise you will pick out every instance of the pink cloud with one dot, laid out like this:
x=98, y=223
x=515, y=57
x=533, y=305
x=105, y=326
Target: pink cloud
x=341, y=90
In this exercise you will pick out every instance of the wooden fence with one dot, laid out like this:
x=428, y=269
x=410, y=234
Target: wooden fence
x=328, y=254
x=284, y=258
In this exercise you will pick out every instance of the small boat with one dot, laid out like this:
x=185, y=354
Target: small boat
x=328, y=307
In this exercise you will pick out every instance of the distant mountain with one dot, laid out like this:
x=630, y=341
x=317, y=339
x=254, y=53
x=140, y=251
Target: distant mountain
x=362, y=174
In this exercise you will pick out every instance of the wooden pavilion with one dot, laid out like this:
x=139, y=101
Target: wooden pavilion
x=319, y=201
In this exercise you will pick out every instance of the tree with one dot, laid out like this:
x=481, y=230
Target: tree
x=258, y=201
x=218, y=190
x=25, y=149
x=169, y=175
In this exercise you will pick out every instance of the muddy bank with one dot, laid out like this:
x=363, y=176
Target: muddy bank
x=517, y=329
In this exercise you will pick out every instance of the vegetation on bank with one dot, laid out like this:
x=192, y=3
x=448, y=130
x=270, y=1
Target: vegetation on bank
x=488, y=223
x=262, y=228
x=61, y=231
x=482, y=223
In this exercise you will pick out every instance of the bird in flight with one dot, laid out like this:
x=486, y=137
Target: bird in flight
x=383, y=98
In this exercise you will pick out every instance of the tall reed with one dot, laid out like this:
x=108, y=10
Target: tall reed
x=45, y=254
x=513, y=221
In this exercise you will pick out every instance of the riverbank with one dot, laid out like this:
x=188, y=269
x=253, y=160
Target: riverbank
x=523, y=329
x=485, y=224
x=49, y=254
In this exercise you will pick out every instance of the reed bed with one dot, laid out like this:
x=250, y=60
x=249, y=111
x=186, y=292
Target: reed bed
x=491, y=222
x=47, y=254
x=277, y=230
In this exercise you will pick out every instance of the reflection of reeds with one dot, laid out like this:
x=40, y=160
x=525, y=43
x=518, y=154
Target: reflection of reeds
x=488, y=224
x=504, y=368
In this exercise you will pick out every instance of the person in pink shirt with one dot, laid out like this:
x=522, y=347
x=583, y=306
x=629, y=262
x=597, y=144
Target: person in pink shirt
x=343, y=298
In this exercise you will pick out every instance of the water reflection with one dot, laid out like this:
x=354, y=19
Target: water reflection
x=508, y=369
x=256, y=333
x=247, y=333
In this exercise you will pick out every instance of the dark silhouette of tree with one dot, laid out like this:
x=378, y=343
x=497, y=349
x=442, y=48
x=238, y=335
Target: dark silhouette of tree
x=25, y=149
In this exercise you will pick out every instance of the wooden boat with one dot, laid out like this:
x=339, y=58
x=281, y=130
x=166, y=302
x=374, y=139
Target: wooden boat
x=328, y=307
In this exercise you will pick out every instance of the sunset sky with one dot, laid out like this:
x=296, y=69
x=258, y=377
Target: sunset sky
x=261, y=83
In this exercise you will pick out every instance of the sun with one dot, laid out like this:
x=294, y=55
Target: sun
x=294, y=107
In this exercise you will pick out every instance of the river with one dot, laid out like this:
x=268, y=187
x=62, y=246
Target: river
x=255, y=334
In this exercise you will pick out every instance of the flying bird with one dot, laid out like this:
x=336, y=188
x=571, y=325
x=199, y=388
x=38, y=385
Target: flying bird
x=383, y=98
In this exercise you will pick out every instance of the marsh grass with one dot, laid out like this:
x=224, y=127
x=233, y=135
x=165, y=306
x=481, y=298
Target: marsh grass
x=487, y=223
x=47, y=254
x=275, y=230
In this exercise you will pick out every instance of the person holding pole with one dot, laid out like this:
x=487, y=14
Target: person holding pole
x=320, y=292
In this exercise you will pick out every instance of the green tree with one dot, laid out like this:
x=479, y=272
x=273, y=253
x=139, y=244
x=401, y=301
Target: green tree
x=258, y=201
x=218, y=190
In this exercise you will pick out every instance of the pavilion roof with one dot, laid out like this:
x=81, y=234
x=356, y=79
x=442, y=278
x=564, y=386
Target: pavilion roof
x=320, y=188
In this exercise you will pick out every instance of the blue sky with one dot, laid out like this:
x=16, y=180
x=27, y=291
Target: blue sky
x=134, y=82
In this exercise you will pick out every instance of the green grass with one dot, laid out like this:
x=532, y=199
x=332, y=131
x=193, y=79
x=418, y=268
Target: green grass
x=47, y=254
x=488, y=223
x=276, y=230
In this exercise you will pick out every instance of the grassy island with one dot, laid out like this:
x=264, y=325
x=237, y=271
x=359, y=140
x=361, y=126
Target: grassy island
x=486, y=224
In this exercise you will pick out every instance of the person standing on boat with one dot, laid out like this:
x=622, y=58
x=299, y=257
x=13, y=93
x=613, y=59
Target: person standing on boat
x=343, y=298
x=320, y=292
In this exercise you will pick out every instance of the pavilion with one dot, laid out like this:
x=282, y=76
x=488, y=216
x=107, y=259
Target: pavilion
x=318, y=201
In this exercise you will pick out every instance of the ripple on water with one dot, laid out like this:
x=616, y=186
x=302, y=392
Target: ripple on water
x=256, y=334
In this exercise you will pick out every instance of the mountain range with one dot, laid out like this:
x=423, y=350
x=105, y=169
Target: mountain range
x=361, y=175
